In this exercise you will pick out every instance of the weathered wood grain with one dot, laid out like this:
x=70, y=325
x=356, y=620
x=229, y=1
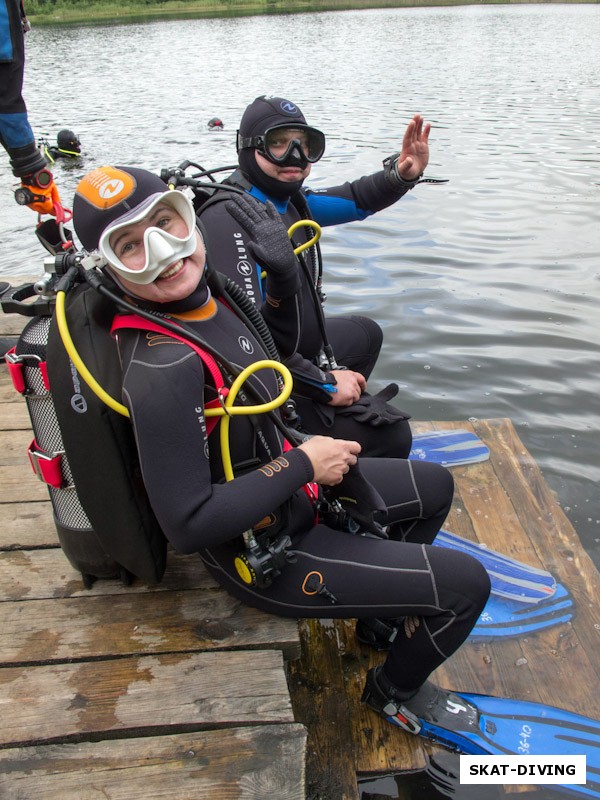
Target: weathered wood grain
x=150, y=694
x=46, y=573
x=14, y=415
x=27, y=525
x=19, y=484
x=253, y=763
x=104, y=626
x=505, y=504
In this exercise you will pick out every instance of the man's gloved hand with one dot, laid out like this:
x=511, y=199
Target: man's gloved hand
x=39, y=192
x=375, y=409
x=269, y=242
x=361, y=502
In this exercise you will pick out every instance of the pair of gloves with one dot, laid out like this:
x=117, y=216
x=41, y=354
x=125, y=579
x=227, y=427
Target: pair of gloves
x=374, y=409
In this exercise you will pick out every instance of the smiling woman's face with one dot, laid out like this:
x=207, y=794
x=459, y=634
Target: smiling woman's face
x=180, y=276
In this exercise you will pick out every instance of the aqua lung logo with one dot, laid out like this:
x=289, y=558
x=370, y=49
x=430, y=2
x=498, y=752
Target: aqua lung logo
x=244, y=266
x=200, y=415
x=246, y=345
x=78, y=401
x=287, y=107
x=110, y=188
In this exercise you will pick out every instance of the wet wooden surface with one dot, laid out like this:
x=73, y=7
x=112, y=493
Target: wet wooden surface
x=108, y=691
x=506, y=504
x=173, y=691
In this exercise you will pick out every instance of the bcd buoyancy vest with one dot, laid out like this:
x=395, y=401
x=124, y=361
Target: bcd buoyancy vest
x=83, y=450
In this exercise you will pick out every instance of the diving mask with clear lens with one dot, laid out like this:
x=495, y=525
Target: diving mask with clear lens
x=285, y=143
x=148, y=226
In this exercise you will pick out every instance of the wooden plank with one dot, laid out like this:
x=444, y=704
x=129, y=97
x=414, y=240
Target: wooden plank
x=14, y=445
x=14, y=415
x=38, y=574
x=27, y=525
x=252, y=763
x=83, y=628
x=321, y=704
x=19, y=484
x=505, y=503
x=13, y=324
x=150, y=694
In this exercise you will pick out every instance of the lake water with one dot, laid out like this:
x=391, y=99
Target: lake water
x=487, y=287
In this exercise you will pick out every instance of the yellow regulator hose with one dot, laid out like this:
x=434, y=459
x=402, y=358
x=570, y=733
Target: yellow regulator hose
x=226, y=411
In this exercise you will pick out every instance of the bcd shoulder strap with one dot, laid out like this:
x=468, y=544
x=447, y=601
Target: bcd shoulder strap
x=133, y=321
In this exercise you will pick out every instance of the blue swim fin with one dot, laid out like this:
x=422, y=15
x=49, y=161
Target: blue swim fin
x=502, y=726
x=450, y=448
x=510, y=578
x=509, y=618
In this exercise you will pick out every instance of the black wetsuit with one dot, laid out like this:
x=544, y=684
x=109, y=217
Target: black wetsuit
x=356, y=340
x=164, y=388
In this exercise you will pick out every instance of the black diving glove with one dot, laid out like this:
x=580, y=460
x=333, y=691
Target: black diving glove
x=374, y=409
x=360, y=501
x=269, y=243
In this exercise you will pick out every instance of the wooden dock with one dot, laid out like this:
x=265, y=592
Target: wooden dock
x=179, y=691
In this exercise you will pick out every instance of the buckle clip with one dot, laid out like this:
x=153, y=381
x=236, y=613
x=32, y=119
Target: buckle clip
x=46, y=465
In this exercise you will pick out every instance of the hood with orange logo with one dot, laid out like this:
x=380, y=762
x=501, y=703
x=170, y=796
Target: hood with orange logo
x=107, y=193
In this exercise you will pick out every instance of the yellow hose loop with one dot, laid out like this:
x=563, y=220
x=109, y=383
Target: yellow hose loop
x=228, y=411
x=231, y=411
x=309, y=223
x=79, y=365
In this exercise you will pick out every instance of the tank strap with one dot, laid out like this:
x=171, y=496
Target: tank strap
x=16, y=364
x=47, y=466
x=134, y=321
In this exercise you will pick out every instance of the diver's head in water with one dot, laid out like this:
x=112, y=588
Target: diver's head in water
x=68, y=142
x=276, y=147
x=146, y=233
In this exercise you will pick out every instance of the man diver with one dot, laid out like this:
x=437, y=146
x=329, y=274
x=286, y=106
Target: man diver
x=331, y=358
x=68, y=146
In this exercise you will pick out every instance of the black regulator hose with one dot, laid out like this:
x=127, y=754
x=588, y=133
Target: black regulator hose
x=95, y=280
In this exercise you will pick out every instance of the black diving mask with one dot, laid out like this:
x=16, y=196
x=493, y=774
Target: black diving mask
x=292, y=145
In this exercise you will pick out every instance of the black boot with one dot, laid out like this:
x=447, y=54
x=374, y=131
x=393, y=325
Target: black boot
x=377, y=633
x=430, y=704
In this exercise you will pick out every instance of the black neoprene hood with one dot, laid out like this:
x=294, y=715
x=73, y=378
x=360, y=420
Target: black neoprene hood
x=264, y=113
x=105, y=194
x=269, y=112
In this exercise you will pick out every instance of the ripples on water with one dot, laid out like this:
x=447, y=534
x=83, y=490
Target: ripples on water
x=487, y=287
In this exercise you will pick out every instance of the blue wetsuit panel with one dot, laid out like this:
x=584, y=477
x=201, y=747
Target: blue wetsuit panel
x=329, y=210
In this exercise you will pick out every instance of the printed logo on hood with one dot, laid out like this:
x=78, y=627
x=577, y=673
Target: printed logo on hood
x=106, y=187
x=287, y=107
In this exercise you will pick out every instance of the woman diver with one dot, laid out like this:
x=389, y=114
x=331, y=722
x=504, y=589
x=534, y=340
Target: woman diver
x=430, y=597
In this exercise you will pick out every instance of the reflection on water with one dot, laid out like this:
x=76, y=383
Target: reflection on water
x=486, y=286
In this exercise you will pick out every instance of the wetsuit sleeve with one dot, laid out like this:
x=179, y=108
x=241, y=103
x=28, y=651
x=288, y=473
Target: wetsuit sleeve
x=354, y=200
x=163, y=389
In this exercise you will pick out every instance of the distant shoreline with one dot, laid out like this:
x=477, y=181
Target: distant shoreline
x=102, y=12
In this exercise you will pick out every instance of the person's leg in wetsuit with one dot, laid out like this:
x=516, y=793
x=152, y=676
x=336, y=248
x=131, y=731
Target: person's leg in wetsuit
x=356, y=342
x=439, y=594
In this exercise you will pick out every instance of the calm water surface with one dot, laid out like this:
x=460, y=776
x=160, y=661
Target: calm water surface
x=487, y=287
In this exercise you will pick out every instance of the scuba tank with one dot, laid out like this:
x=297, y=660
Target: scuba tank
x=82, y=450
